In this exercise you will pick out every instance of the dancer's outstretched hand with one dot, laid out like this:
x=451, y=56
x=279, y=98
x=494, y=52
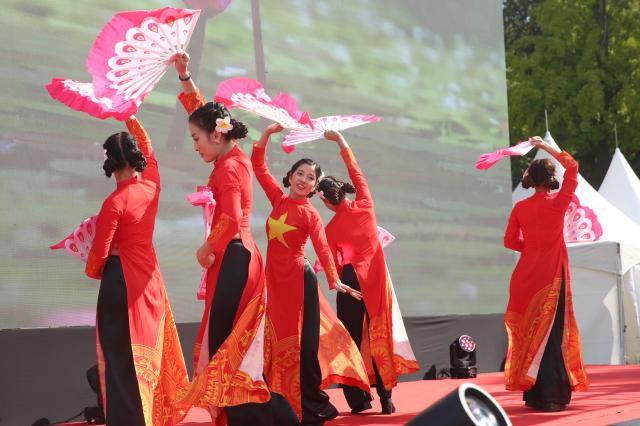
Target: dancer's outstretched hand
x=182, y=63
x=273, y=128
x=332, y=135
x=205, y=255
x=538, y=142
x=343, y=288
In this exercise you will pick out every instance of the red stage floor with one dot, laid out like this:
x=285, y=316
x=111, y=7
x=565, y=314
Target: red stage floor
x=614, y=397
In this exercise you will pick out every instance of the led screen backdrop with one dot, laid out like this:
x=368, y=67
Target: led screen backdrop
x=434, y=70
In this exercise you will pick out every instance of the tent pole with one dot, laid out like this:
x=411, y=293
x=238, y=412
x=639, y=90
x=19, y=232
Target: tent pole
x=546, y=119
x=615, y=133
x=621, y=319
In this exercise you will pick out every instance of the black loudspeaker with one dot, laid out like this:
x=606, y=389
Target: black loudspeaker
x=469, y=405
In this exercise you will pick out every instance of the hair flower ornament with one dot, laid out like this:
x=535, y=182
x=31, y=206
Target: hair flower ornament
x=223, y=125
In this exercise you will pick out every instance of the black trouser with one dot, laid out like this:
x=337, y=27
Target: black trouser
x=315, y=402
x=124, y=406
x=552, y=384
x=232, y=279
x=352, y=313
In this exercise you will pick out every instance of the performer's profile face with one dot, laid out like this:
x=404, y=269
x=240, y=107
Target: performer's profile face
x=303, y=181
x=207, y=145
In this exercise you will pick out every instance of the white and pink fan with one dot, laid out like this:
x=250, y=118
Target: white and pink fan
x=385, y=237
x=204, y=197
x=128, y=58
x=78, y=243
x=249, y=95
x=486, y=161
x=581, y=223
x=134, y=49
x=81, y=97
x=321, y=125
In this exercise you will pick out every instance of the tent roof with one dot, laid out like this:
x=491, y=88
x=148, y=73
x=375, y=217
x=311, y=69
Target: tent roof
x=621, y=187
x=616, y=226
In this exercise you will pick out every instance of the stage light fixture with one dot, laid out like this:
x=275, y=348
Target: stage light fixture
x=462, y=356
x=469, y=405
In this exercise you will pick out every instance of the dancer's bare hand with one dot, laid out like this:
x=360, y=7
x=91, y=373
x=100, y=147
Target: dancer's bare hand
x=537, y=141
x=343, y=288
x=205, y=255
x=332, y=135
x=182, y=63
x=273, y=128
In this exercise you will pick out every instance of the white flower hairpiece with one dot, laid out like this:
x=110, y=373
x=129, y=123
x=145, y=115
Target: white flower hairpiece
x=223, y=125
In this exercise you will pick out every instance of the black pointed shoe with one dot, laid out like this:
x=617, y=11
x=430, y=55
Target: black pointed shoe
x=387, y=406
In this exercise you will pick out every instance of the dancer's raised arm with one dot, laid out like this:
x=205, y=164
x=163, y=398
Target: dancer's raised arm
x=151, y=172
x=266, y=180
x=190, y=97
x=363, y=195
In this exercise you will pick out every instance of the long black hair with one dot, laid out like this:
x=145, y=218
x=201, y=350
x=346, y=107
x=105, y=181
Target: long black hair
x=121, y=149
x=308, y=161
x=205, y=117
x=334, y=190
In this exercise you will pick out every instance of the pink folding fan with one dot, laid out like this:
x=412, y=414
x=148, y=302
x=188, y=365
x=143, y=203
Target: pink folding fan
x=321, y=125
x=135, y=49
x=128, y=58
x=249, y=95
x=78, y=243
x=485, y=161
x=81, y=97
x=581, y=223
x=204, y=197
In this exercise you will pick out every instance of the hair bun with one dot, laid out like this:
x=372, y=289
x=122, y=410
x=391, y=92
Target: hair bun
x=121, y=149
x=221, y=108
x=541, y=173
x=347, y=188
x=238, y=131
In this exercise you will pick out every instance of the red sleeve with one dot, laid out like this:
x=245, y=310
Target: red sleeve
x=229, y=203
x=144, y=143
x=191, y=101
x=321, y=247
x=106, y=226
x=266, y=180
x=363, y=195
x=569, y=181
x=513, y=235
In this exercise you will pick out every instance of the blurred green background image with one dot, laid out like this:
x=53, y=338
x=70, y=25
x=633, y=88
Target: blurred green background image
x=433, y=69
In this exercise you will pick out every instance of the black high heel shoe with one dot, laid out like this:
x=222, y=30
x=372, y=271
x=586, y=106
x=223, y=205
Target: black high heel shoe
x=387, y=406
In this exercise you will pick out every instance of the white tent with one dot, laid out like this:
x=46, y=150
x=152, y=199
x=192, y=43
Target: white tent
x=621, y=187
x=605, y=308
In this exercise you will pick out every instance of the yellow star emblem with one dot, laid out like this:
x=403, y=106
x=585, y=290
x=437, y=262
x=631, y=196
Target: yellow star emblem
x=277, y=228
